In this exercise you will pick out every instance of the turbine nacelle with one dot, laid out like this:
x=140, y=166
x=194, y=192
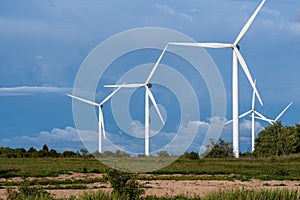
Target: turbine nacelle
x=148, y=95
x=101, y=128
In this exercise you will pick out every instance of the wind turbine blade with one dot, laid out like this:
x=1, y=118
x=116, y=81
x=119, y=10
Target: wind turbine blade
x=282, y=112
x=110, y=95
x=101, y=122
x=84, y=100
x=244, y=114
x=241, y=116
x=154, y=103
x=156, y=65
x=208, y=45
x=263, y=117
x=228, y=122
x=256, y=117
x=126, y=85
x=271, y=121
x=249, y=22
x=253, y=96
x=247, y=72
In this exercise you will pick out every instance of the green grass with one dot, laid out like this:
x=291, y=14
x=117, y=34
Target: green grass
x=45, y=182
x=275, y=168
x=244, y=169
x=235, y=194
x=281, y=168
x=45, y=167
x=244, y=194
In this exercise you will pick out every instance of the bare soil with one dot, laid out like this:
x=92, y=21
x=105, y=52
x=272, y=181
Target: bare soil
x=165, y=187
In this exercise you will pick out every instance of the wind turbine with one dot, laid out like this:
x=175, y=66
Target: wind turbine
x=253, y=112
x=237, y=57
x=273, y=121
x=148, y=94
x=101, y=128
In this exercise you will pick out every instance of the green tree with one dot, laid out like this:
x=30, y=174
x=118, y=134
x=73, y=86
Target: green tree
x=163, y=154
x=32, y=152
x=70, y=154
x=45, y=148
x=276, y=140
x=108, y=154
x=297, y=133
x=221, y=149
x=7, y=152
x=84, y=152
x=121, y=154
x=53, y=153
x=20, y=152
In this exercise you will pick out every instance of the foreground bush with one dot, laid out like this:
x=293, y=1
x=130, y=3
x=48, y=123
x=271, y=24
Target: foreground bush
x=25, y=192
x=34, y=193
x=125, y=185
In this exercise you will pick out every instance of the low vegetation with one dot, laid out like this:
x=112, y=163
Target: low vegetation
x=271, y=168
x=276, y=157
x=35, y=193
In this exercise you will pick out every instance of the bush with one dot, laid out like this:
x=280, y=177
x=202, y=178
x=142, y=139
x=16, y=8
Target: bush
x=125, y=185
x=192, y=155
x=163, y=154
x=26, y=192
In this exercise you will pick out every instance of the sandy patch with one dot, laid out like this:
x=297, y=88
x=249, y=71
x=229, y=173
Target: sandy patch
x=164, y=187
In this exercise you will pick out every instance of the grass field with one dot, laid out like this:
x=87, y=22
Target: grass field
x=244, y=169
x=275, y=168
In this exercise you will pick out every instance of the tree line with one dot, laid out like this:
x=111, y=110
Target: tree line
x=7, y=152
x=274, y=140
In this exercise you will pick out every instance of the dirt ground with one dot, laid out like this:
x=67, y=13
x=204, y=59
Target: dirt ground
x=168, y=187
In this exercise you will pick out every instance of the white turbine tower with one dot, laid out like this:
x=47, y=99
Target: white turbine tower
x=237, y=57
x=101, y=128
x=253, y=112
x=272, y=121
x=148, y=94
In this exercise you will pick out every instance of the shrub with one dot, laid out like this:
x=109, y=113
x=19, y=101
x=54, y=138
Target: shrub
x=163, y=154
x=192, y=155
x=125, y=185
x=26, y=192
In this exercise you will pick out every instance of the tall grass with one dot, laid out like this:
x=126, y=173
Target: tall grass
x=243, y=194
x=275, y=168
x=235, y=194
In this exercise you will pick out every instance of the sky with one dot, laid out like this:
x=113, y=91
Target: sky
x=44, y=43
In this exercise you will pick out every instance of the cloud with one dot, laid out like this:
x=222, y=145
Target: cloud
x=190, y=137
x=194, y=136
x=31, y=90
x=58, y=139
x=297, y=16
x=275, y=19
x=272, y=12
x=174, y=12
x=194, y=10
x=39, y=57
x=245, y=133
